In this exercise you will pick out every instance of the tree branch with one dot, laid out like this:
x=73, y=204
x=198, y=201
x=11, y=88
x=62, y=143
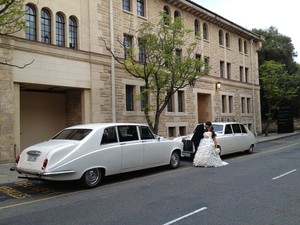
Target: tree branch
x=17, y=66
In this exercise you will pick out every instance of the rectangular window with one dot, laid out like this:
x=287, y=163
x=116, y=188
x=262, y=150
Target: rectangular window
x=241, y=73
x=248, y=105
x=127, y=43
x=230, y=104
x=127, y=5
x=182, y=131
x=236, y=128
x=206, y=62
x=170, y=106
x=146, y=133
x=246, y=75
x=228, y=70
x=127, y=133
x=178, y=53
x=142, y=57
x=109, y=136
x=129, y=98
x=171, y=131
x=198, y=57
x=140, y=8
x=224, y=104
x=243, y=104
x=222, y=69
x=180, y=101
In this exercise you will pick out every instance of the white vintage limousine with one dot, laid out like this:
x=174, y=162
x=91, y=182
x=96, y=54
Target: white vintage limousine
x=231, y=137
x=89, y=152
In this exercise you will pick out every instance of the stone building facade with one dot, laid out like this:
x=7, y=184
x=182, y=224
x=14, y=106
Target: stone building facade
x=73, y=78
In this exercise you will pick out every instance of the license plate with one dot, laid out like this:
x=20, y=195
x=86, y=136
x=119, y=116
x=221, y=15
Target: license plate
x=31, y=158
x=186, y=154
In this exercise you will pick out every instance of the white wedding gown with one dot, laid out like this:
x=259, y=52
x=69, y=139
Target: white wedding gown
x=206, y=156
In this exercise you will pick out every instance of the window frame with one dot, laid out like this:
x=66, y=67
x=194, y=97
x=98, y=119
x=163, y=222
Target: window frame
x=129, y=97
x=31, y=22
x=126, y=5
x=60, y=29
x=140, y=8
x=73, y=32
x=45, y=26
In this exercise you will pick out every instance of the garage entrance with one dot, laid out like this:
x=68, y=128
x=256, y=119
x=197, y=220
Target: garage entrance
x=44, y=113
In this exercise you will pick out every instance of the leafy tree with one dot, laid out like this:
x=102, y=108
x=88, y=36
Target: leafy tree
x=277, y=47
x=11, y=21
x=164, y=58
x=11, y=16
x=277, y=87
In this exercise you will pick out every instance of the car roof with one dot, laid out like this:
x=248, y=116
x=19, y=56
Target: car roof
x=223, y=123
x=102, y=125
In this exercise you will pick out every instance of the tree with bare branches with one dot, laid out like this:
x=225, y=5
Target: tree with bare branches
x=11, y=21
x=163, y=56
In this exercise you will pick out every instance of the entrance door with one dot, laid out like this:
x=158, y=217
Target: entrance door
x=204, y=107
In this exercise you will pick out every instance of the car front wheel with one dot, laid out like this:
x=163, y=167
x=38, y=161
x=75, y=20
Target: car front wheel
x=92, y=178
x=250, y=150
x=174, y=160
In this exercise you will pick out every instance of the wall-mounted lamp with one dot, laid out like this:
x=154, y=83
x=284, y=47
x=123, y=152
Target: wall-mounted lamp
x=218, y=85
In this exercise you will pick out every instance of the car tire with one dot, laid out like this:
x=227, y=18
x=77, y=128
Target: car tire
x=250, y=150
x=92, y=178
x=174, y=160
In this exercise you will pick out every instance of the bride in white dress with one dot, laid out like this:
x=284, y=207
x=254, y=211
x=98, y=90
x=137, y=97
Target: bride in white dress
x=206, y=155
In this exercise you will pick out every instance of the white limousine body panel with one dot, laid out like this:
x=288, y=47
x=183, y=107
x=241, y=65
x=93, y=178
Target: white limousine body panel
x=106, y=148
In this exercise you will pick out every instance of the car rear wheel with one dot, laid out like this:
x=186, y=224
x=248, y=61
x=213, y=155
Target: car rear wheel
x=250, y=150
x=174, y=160
x=92, y=178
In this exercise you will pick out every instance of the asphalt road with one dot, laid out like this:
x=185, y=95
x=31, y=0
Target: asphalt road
x=258, y=189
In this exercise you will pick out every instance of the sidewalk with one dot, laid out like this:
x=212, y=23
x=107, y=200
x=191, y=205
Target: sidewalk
x=7, y=176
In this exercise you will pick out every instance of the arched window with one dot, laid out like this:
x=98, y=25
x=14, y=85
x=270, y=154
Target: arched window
x=227, y=39
x=240, y=45
x=221, y=37
x=140, y=8
x=166, y=15
x=205, y=31
x=245, y=47
x=176, y=14
x=30, y=17
x=45, y=26
x=196, y=27
x=73, y=32
x=60, y=30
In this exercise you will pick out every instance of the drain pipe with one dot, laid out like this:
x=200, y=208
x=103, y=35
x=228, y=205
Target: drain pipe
x=112, y=47
x=253, y=64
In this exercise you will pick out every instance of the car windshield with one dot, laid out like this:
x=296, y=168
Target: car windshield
x=218, y=128
x=72, y=134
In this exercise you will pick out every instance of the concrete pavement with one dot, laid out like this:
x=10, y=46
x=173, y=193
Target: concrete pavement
x=7, y=176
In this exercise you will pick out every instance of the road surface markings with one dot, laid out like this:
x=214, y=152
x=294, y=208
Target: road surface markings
x=185, y=216
x=275, y=178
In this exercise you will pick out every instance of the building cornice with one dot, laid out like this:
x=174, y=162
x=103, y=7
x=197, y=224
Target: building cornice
x=211, y=17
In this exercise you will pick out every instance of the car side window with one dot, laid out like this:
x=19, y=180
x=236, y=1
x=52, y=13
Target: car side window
x=243, y=129
x=109, y=136
x=127, y=133
x=228, y=129
x=236, y=128
x=146, y=133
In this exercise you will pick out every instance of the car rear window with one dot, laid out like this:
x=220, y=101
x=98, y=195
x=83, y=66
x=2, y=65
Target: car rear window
x=73, y=134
